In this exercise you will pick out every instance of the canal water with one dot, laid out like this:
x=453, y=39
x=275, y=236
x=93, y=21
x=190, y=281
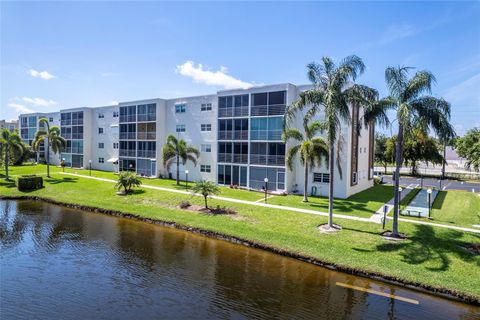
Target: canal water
x=58, y=263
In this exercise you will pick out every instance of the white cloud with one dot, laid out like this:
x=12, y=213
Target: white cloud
x=45, y=75
x=40, y=102
x=211, y=78
x=20, y=108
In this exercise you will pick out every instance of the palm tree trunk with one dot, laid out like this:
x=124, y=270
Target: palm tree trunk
x=305, y=188
x=385, y=166
x=396, y=196
x=7, y=155
x=331, y=161
x=178, y=170
x=444, y=156
x=48, y=158
x=206, y=203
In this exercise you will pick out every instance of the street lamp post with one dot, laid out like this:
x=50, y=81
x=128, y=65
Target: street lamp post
x=186, y=180
x=90, y=166
x=63, y=164
x=399, y=197
x=429, y=192
x=266, y=188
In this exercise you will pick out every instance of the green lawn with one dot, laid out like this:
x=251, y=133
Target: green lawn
x=460, y=208
x=362, y=204
x=431, y=255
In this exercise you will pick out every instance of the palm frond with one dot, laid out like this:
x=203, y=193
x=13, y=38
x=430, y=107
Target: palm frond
x=291, y=153
x=420, y=83
x=292, y=133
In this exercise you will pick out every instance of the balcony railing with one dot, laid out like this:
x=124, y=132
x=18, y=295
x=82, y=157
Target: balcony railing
x=233, y=112
x=273, y=110
x=266, y=135
x=232, y=158
x=146, y=153
x=240, y=135
x=146, y=135
x=267, y=159
x=127, y=135
x=225, y=135
x=65, y=122
x=77, y=136
x=128, y=118
x=126, y=153
x=66, y=135
x=147, y=117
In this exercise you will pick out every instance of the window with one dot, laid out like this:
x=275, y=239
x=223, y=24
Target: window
x=115, y=114
x=101, y=160
x=354, y=177
x=101, y=116
x=100, y=130
x=50, y=119
x=260, y=99
x=205, y=168
x=180, y=128
x=277, y=97
x=206, y=127
x=206, y=148
x=321, y=177
x=115, y=145
x=206, y=107
x=180, y=108
x=101, y=145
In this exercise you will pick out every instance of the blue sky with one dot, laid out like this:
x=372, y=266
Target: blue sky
x=60, y=55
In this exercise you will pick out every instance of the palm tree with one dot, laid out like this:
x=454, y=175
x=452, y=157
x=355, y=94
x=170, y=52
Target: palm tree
x=51, y=138
x=333, y=92
x=312, y=148
x=10, y=141
x=127, y=180
x=414, y=109
x=178, y=150
x=205, y=188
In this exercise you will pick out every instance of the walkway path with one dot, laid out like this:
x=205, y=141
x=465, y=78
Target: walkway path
x=378, y=215
x=272, y=206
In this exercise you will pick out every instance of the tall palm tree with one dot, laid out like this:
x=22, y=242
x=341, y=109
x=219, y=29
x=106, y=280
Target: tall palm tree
x=10, y=141
x=414, y=108
x=312, y=149
x=51, y=138
x=333, y=93
x=178, y=150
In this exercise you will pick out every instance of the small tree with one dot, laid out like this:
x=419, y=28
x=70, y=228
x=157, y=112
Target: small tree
x=468, y=147
x=177, y=150
x=381, y=150
x=10, y=141
x=51, y=138
x=127, y=180
x=206, y=188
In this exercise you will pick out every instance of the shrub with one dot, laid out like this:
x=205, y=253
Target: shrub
x=29, y=182
x=127, y=180
x=377, y=180
x=184, y=204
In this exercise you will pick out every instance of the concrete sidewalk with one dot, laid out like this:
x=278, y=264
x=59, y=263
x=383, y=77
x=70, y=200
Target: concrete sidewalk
x=378, y=215
x=277, y=207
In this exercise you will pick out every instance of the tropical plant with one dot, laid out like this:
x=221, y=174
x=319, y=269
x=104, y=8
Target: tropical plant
x=10, y=141
x=127, y=180
x=176, y=150
x=414, y=108
x=311, y=147
x=333, y=93
x=206, y=188
x=51, y=138
x=468, y=147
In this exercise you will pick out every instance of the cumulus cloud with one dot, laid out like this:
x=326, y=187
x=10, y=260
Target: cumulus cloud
x=40, y=102
x=45, y=75
x=20, y=108
x=211, y=78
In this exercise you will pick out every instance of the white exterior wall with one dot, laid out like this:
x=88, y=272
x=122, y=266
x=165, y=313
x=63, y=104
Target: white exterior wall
x=108, y=138
x=193, y=118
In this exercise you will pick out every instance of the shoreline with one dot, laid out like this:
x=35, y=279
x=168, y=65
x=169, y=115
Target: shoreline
x=441, y=292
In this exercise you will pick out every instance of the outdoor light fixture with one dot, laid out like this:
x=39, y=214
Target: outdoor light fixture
x=266, y=188
x=429, y=192
x=186, y=180
x=90, y=166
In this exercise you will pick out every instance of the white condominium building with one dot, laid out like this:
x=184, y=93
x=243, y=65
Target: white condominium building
x=238, y=133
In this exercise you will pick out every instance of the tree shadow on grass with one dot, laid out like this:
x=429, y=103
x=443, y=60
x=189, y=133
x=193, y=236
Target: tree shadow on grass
x=61, y=180
x=424, y=245
x=7, y=183
x=439, y=200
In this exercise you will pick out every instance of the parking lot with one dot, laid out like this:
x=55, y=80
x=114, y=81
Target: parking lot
x=446, y=184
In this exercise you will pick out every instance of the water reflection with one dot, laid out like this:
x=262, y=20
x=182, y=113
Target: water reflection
x=62, y=263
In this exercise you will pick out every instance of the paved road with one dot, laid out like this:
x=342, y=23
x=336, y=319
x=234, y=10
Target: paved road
x=445, y=184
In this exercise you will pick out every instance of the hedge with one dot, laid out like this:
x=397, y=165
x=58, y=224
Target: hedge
x=29, y=182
